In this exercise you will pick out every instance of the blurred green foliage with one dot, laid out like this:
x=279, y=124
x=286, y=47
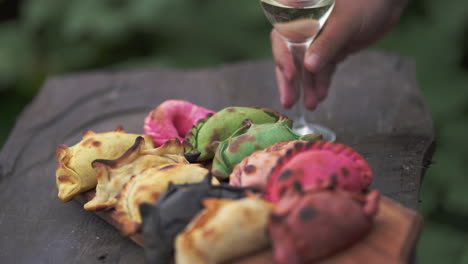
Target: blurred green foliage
x=47, y=37
x=436, y=37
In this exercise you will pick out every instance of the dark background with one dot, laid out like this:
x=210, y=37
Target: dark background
x=39, y=38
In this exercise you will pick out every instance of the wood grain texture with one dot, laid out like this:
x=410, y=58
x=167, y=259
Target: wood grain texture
x=108, y=216
x=374, y=105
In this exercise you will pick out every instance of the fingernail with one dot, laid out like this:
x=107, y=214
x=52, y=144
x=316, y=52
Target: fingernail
x=313, y=62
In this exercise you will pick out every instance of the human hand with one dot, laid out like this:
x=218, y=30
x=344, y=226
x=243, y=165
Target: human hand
x=352, y=26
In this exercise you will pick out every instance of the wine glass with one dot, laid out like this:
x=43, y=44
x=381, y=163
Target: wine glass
x=299, y=22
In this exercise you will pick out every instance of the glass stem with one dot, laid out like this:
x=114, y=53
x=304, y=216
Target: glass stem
x=298, y=51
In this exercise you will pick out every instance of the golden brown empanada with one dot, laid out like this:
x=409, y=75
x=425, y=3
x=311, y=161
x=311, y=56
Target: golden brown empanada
x=74, y=173
x=113, y=174
x=147, y=186
x=225, y=230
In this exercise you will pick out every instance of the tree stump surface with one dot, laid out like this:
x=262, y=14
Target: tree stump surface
x=374, y=105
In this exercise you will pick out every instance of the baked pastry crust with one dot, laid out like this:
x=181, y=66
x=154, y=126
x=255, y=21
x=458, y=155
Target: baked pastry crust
x=253, y=170
x=174, y=210
x=224, y=230
x=74, y=173
x=113, y=174
x=147, y=186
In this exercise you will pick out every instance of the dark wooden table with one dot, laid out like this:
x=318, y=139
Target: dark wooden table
x=374, y=105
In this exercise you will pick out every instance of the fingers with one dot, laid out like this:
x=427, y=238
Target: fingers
x=343, y=24
x=285, y=70
x=316, y=86
x=282, y=55
x=286, y=90
x=323, y=81
x=327, y=49
x=310, y=91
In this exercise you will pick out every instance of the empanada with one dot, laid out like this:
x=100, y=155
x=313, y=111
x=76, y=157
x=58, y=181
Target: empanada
x=313, y=163
x=147, y=186
x=74, y=173
x=312, y=224
x=113, y=174
x=250, y=138
x=225, y=230
x=174, y=210
x=205, y=135
x=253, y=170
x=173, y=118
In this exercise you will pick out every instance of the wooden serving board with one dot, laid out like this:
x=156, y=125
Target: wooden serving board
x=391, y=240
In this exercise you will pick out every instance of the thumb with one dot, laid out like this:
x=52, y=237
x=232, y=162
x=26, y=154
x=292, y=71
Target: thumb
x=342, y=26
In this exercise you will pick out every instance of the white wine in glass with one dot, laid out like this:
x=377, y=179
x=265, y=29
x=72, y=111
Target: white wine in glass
x=299, y=22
